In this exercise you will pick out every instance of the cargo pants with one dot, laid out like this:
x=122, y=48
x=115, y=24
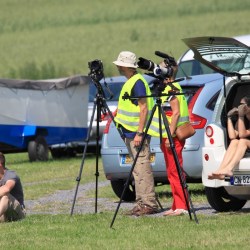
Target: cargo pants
x=143, y=175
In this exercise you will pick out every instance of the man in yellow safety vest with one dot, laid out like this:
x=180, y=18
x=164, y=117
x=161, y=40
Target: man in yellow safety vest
x=132, y=116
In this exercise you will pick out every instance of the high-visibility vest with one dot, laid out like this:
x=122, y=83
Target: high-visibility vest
x=184, y=115
x=128, y=114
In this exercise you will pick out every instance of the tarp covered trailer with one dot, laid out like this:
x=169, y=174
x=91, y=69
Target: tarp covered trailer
x=35, y=114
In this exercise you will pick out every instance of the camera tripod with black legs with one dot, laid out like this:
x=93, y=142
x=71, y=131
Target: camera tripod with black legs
x=100, y=106
x=161, y=114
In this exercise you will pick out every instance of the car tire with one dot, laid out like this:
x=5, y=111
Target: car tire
x=221, y=201
x=38, y=149
x=118, y=187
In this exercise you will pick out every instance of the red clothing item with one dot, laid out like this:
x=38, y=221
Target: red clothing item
x=179, y=201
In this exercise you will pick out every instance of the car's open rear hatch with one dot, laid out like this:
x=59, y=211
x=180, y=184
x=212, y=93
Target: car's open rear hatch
x=225, y=55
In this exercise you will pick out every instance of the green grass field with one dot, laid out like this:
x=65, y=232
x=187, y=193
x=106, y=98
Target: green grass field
x=44, y=39
x=92, y=231
x=54, y=38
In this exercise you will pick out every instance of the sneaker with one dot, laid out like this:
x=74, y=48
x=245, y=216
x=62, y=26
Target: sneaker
x=178, y=212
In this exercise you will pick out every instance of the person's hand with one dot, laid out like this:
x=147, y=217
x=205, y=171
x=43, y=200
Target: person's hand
x=233, y=111
x=243, y=109
x=167, y=143
x=137, y=140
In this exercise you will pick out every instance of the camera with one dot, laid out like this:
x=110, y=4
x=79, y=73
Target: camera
x=158, y=70
x=96, y=70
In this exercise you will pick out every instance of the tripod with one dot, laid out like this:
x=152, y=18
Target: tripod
x=100, y=106
x=161, y=114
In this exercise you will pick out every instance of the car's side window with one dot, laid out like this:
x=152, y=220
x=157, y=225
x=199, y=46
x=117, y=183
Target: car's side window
x=211, y=103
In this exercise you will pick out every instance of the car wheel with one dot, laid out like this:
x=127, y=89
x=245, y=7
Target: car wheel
x=221, y=201
x=118, y=187
x=38, y=149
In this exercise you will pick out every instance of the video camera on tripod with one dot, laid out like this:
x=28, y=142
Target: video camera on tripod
x=96, y=74
x=96, y=70
x=158, y=71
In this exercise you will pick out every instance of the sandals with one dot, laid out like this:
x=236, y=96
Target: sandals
x=178, y=212
x=175, y=212
x=170, y=211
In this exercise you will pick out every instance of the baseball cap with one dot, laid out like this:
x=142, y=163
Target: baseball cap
x=126, y=59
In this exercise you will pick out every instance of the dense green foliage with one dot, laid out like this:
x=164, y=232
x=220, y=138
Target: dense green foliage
x=45, y=39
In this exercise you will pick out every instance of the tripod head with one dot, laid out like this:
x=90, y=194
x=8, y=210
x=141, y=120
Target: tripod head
x=96, y=74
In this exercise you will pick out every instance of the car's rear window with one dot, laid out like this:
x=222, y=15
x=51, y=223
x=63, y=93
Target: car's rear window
x=192, y=68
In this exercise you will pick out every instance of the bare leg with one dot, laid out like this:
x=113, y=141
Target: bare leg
x=244, y=144
x=226, y=159
x=4, y=203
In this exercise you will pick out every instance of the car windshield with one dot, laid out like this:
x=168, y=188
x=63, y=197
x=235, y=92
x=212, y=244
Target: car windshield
x=224, y=55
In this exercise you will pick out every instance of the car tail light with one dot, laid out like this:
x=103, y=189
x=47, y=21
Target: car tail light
x=198, y=122
x=105, y=117
x=209, y=131
x=206, y=157
x=106, y=130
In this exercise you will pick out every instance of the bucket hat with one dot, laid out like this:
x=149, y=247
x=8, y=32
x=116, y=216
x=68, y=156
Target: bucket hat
x=126, y=59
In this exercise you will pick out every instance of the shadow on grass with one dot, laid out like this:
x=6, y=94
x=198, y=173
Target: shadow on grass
x=168, y=194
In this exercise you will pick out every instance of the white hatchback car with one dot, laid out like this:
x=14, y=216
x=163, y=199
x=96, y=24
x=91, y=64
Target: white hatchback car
x=232, y=193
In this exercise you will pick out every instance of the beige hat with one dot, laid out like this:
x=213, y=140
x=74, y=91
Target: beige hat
x=126, y=59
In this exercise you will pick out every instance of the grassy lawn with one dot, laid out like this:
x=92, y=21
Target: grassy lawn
x=92, y=231
x=45, y=39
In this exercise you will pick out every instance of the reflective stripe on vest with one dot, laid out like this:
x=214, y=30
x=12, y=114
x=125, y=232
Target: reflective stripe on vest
x=128, y=114
x=184, y=115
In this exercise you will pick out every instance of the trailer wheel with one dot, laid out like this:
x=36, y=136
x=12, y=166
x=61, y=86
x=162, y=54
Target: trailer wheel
x=38, y=149
x=118, y=186
x=221, y=201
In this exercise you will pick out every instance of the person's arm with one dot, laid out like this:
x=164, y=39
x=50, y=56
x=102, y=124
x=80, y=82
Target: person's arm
x=243, y=132
x=142, y=102
x=232, y=132
x=5, y=189
x=175, y=107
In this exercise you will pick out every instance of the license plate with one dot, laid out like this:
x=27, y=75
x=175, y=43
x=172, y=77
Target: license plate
x=241, y=179
x=126, y=159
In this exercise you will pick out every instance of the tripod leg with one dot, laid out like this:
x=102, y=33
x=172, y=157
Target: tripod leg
x=78, y=178
x=157, y=199
x=133, y=165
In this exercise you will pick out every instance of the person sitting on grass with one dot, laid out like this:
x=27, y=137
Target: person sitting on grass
x=11, y=194
x=239, y=136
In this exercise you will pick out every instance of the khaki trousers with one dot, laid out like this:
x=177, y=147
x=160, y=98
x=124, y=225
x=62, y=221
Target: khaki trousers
x=143, y=175
x=14, y=212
